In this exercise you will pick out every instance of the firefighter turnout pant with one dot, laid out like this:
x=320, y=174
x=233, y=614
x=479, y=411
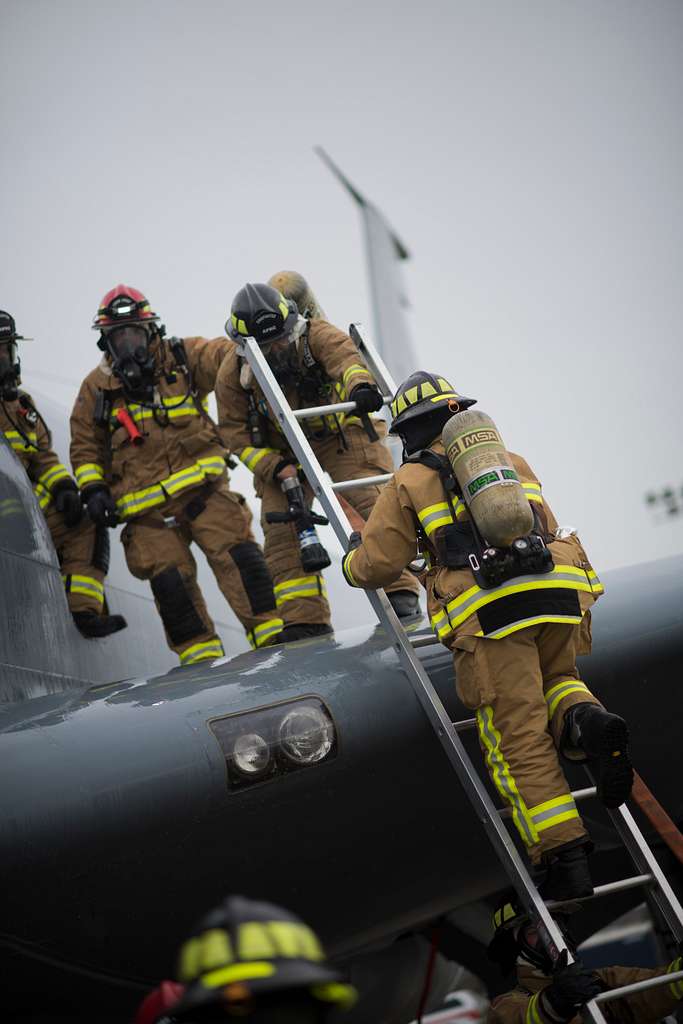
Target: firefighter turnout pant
x=301, y=597
x=521, y=688
x=157, y=548
x=83, y=553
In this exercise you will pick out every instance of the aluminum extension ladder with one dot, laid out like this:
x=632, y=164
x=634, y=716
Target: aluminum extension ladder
x=649, y=876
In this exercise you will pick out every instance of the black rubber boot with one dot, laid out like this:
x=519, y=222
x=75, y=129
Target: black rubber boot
x=567, y=874
x=405, y=603
x=603, y=737
x=303, y=631
x=92, y=625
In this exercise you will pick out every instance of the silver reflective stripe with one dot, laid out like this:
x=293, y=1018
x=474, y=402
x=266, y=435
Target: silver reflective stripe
x=443, y=514
x=553, y=812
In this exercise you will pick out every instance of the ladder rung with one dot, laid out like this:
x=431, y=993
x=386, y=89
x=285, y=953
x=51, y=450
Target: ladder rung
x=465, y=723
x=607, y=889
x=328, y=410
x=578, y=794
x=424, y=641
x=365, y=481
x=639, y=986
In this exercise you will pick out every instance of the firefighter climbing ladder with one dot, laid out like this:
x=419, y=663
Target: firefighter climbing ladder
x=649, y=874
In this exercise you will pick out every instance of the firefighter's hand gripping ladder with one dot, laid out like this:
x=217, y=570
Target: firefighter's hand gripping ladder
x=649, y=874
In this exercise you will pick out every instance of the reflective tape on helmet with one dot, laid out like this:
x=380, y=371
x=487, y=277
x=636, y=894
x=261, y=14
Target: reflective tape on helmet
x=556, y=694
x=85, y=585
x=566, y=577
x=140, y=501
x=553, y=812
x=260, y=634
x=89, y=473
x=239, y=325
x=202, y=652
x=26, y=442
x=53, y=475
x=252, y=456
x=502, y=777
x=303, y=586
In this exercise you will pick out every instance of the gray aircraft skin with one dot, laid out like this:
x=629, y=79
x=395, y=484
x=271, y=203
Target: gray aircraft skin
x=123, y=817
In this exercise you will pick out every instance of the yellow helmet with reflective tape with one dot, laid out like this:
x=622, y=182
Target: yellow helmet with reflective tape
x=424, y=393
x=245, y=949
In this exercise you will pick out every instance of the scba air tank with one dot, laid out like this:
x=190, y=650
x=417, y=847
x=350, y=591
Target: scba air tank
x=488, y=481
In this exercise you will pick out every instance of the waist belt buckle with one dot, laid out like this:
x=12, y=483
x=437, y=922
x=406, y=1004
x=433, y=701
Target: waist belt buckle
x=170, y=521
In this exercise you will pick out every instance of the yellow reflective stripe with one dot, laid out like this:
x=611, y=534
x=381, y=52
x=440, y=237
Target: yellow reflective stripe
x=553, y=812
x=292, y=590
x=19, y=443
x=566, y=577
x=335, y=992
x=532, y=1014
x=460, y=508
x=501, y=775
x=53, y=474
x=676, y=987
x=533, y=493
x=596, y=585
x=303, y=586
x=43, y=495
x=346, y=568
x=238, y=972
x=534, y=620
x=138, y=501
x=199, y=652
x=86, y=585
x=355, y=370
x=88, y=473
x=259, y=634
x=560, y=690
x=252, y=456
x=433, y=516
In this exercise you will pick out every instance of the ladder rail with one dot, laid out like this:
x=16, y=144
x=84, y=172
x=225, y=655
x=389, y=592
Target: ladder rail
x=420, y=682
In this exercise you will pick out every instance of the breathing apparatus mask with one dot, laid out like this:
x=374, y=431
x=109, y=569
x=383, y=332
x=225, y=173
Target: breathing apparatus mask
x=132, y=360
x=281, y=354
x=516, y=940
x=9, y=371
x=10, y=366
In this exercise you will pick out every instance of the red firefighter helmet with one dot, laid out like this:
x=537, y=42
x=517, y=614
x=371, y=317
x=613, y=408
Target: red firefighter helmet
x=123, y=305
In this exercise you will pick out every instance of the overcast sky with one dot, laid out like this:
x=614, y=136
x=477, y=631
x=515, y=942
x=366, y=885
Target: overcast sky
x=528, y=153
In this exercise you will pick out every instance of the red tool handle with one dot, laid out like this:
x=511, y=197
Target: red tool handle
x=124, y=418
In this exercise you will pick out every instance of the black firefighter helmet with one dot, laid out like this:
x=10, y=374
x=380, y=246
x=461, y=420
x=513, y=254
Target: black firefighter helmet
x=261, y=312
x=421, y=406
x=246, y=951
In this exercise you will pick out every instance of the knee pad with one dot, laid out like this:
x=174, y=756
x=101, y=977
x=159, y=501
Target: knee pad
x=178, y=613
x=255, y=576
x=102, y=549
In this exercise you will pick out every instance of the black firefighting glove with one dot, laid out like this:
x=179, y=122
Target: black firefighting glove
x=101, y=505
x=68, y=503
x=572, y=986
x=367, y=398
x=355, y=541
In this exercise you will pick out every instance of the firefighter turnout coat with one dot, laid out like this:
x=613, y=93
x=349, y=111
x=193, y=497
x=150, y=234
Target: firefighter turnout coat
x=329, y=368
x=83, y=555
x=522, y=1004
x=171, y=488
x=514, y=645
